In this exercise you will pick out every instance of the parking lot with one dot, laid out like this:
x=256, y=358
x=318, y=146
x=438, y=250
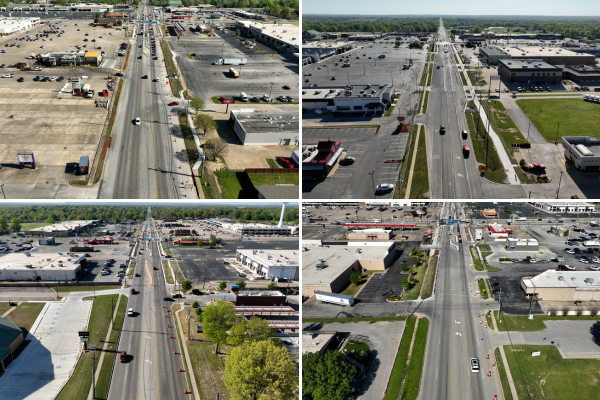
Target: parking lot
x=387, y=214
x=266, y=72
x=196, y=261
x=355, y=180
x=46, y=120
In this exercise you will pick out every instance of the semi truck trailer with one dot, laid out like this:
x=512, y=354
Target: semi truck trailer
x=231, y=61
x=334, y=298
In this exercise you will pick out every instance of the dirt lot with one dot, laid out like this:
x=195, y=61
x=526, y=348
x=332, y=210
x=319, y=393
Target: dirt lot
x=43, y=118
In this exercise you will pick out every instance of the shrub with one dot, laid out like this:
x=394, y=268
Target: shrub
x=195, y=304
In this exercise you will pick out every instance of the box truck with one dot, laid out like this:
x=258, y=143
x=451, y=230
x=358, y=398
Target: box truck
x=334, y=298
x=234, y=73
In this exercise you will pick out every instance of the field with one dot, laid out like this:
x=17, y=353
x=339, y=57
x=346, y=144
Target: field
x=549, y=376
x=576, y=117
x=25, y=315
x=272, y=179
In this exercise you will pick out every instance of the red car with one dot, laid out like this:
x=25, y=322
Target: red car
x=173, y=103
x=132, y=291
x=123, y=356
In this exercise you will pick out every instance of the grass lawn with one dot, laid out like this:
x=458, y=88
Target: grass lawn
x=503, y=377
x=415, y=285
x=415, y=367
x=130, y=269
x=504, y=125
x=420, y=178
x=495, y=170
x=549, y=376
x=522, y=323
x=352, y=289
x=462, y=77
x=353, y=319
x=397, y=375
x=407, y=164
x=111, y=351
x=4, y=307
x=32, y=225
x=430, y=74
x=476, y=259
x=188, y=138
x=177, y=271
x=25, y=315
x=575, y=116
x=488, y=318
x=429, y=279
x=234, y=184
x=78, y=386
x=168, y=273
x=272, y=163
x=87, y=288
x=425, y=102
x=166, y=250
x=482, y=288
x=273, y=179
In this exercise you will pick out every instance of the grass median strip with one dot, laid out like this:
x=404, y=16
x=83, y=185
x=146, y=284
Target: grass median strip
x=430, y=74
x=86, y=288
x=482, y=289
x=476, y=260
x=397, y=375
x=426, y=102
x=522, y=323
x=179, y=278
x=427, y=290
x=503, y=377
x=167, y=250
x=131, y=269
x=462, y=77
x=420, y=179
x=415, y=366
x=168, y=273
x=78, y=386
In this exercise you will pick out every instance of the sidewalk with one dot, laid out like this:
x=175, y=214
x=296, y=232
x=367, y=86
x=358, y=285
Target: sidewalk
x=187, y=358
x=412, y=163
x=511, y=383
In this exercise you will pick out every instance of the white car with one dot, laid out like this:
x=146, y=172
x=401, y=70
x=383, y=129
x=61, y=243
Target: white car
x=584, y=261
x=137, y=121
x=384, y=188
x=7, y=76
x=105, y=272
x=474, y=364
x=594, y=268
x=54, y=78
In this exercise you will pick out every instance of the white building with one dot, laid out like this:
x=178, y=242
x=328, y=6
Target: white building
x=553, y=285
x=67, y=228
x=525, y=244
x=568, y=207
x=258, y=229
x=270, y=263
x=12, y=25
x=350, y=98
x=583, y=152
x=284, y=37
x=265, y=128
x=43, y=266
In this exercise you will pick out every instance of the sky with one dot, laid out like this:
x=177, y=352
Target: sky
x=585, y=8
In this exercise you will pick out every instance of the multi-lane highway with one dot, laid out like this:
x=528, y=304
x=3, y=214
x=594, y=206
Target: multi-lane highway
x=152, y=369
x=141, y=162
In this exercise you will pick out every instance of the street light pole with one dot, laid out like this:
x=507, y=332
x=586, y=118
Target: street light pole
x=558, y=190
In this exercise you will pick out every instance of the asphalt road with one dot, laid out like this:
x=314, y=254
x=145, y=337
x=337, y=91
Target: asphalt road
x=151, y=370
x=141, y=162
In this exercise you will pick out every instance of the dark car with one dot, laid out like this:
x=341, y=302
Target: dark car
x=87, y=255
x=132, y=291
x=286, y=87
x=495, y=284
x=196, y=292
x=442, y=129
x=167, y=298
x=119, y=74
x=144, y=76
x=21, y=79
x=60, y=79
x=346, y=161
x=139, y=57
x=177, y=296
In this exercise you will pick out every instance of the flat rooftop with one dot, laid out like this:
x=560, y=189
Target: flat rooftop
x=273, y=257
x=38, y=261
x=249, y=226
x=261, y=293
x=287, y=33
x=584, y=146
x=540, y=51
x=492, y=51
x=325, y=45
x=564, y=279
x=337, y=259
x=526, y=64
x=65, y=226
x=314, y=342
x=268, y=121
x=348, y=91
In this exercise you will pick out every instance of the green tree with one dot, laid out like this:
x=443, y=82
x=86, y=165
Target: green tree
x=222, y=285
x=197, y=104
x=195, y=304
x=244, y=331
x=50, y=221
x=327, y=376
x=272, y=286
x=15, y=224
x=355, y=277
x=198, y=312
x=476, y=29
x=217, y=320
x=205, y=123
x=212, y=241
x=397, y=43
x=98, y=15
x=186, y=285
x=241, y=284
x=96, y=20
x=286, y=12
x=405, y=283
x=3, y=225
x=216, y=146
x=260, y=371
x=119, y=22
x=276, y=9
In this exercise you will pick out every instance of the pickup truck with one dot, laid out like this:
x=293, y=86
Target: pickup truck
x=537, y=167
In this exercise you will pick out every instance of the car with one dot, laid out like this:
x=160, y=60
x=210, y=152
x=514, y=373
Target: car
x=137, y=121
x=495, y=284
x=282, y=99
x=177, y=296
x=497, y=90
x=173, y=103
x=167, y=299
x=474, y=364
x=144, y=76
x=442, y=129
x=60, y=79
x=514, y=260
x=506, y=90
x=384, y=188
x=594, y=268
x=105, y=272
x=564, y=267
x=155, y=80
x=93, y=40
x=286, y=87
x=346, y=161
x=196, y=292
x=123, y=355
x=119, y=74
x=289, y=98
x=87, y=255
x=139, y=57
x=21, y=79
x=308, y=74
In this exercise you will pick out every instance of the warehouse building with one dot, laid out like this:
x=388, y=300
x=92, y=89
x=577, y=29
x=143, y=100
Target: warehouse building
x=568, y=207
x=259, y=229
x=367, y=100
x=550, y=55
x=11, y=337
x=492, y=55
x=283, y=37
x=72, y=58
x=526, y=244
x=581, y=73
x=529, y=71
x=263, y=128
x=553, y=285
x=581, y=151
x=40, y=266
x=328, y=268
x=318, y=51
x=62, y=229
x=12, y=25
x=271, y=264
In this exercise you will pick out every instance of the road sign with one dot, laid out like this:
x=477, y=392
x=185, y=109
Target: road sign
x=84, y=333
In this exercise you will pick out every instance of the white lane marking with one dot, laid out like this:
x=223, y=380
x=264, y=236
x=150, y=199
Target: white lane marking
x=458, y=333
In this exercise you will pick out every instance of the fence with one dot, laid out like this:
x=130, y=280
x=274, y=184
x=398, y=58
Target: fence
x=272, y=171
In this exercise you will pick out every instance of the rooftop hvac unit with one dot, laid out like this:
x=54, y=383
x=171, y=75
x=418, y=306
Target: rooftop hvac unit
x=573, y=278
x=589, y=281
x=561, y=278
x=28, y=266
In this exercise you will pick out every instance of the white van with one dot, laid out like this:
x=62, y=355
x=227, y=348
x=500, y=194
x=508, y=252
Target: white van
x=130, y=312
x=585, y=97
x=243, y=96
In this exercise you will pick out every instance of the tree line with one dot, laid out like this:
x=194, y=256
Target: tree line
x=246, y=214
x=58, y=213
x=327, y=23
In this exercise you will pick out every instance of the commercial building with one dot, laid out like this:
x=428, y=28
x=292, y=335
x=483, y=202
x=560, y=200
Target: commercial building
x=583, y=152
x=40, y=266
x=311, y=35
x=247, y=14
x=370, y=234
x=318, y=51
x=568, y=207
x=283, y=37
x=553, y=285
x=362, y=100
x=11, y=337
x=47, y=241
x=550, y=55
x=271, y=264
x=13, y=25
x=526, y=244
x=72, y=58
x=317, y=341
x=62, y=229
x=182, y=232
x=328, y=268
x=319, y=158
x=492, y=55
x=258, y=229
x=489, y=213
x=529, y=71
x=265, y=128
x=255, y=298
x=497, y=230
x=581, y=73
